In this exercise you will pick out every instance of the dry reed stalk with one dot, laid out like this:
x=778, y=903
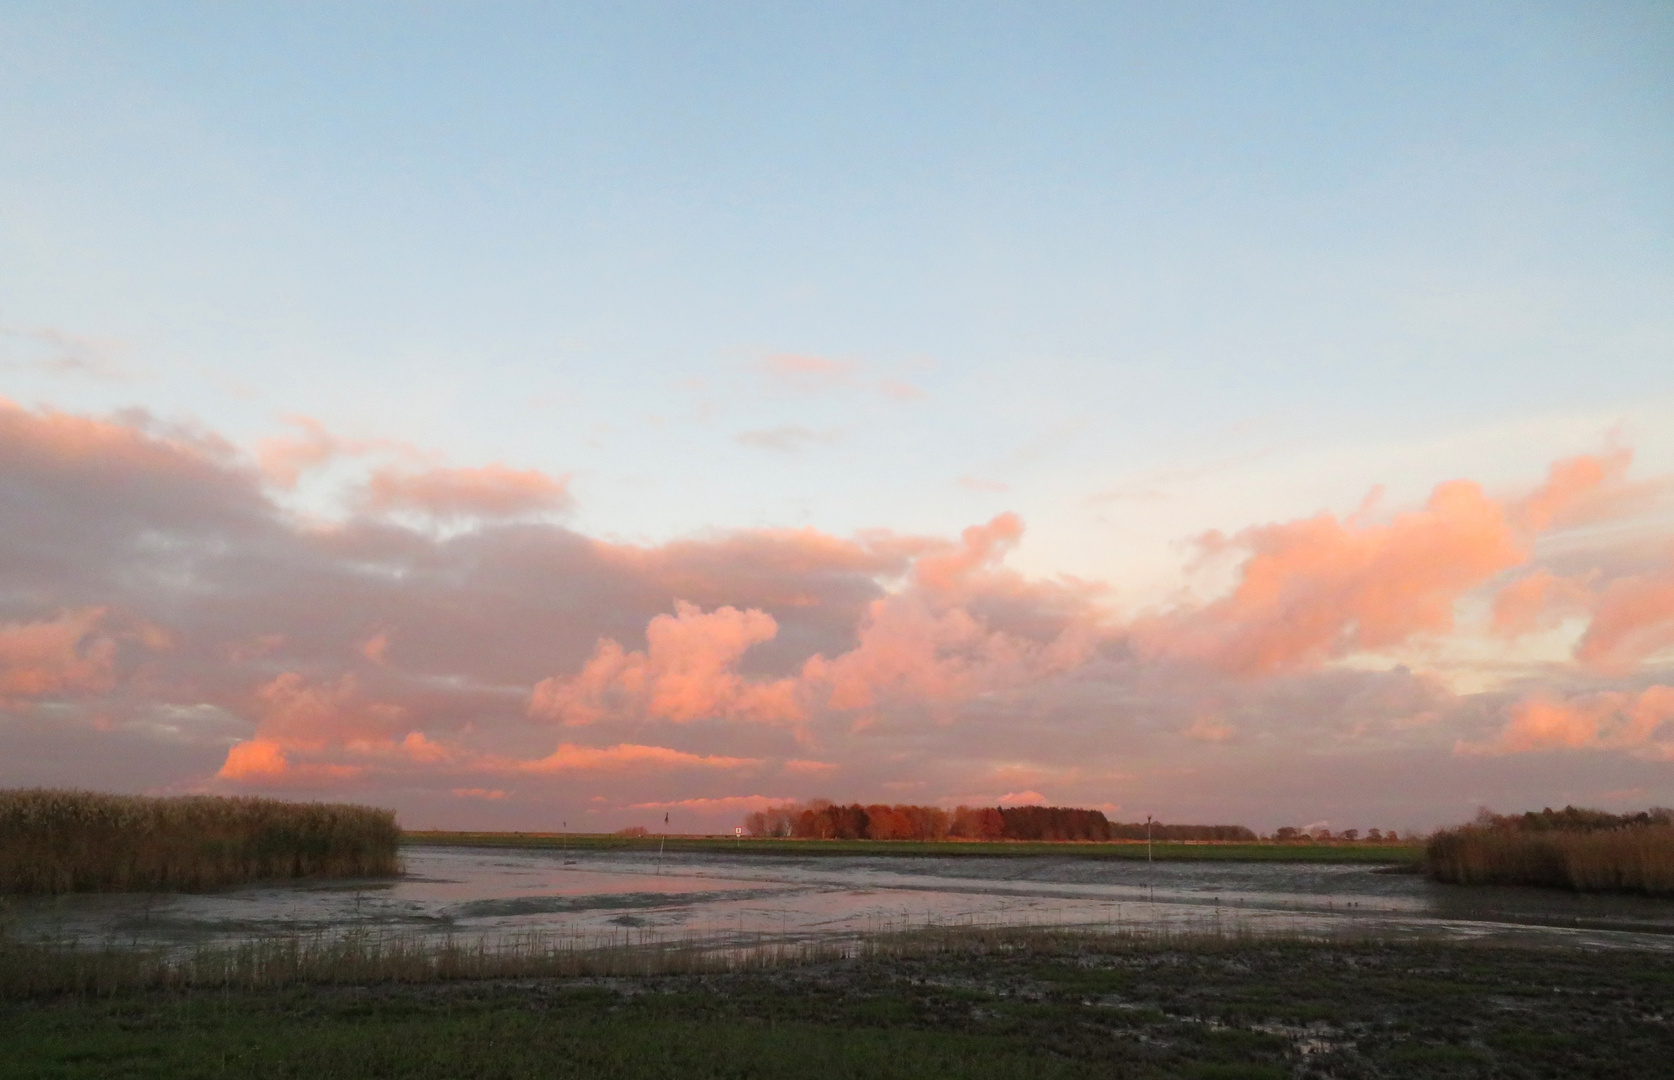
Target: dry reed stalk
x=76, y=841
x=1634, y=859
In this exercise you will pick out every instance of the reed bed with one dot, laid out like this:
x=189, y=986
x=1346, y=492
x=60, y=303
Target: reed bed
x=1636, y=858
x=77, y=841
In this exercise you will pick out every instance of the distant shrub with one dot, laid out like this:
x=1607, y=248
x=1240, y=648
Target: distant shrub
x=634, y=830
x=77, y=841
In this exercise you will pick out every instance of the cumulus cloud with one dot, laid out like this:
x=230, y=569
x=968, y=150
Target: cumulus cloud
x=1312, y=590
x=688, y=672
x=267, y=763
x=1588, y=487
x=1640, y=722
x=1633, y=619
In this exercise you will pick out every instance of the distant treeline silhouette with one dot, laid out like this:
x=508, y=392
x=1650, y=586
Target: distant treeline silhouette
x=1574, y=819
x=822, y=820
x=1586, y=850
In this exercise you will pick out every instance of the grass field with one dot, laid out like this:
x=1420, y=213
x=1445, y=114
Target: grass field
x=1334, y=852
x=1032, y=1006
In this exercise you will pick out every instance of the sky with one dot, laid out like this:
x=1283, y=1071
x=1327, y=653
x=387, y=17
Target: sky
x=531, y=416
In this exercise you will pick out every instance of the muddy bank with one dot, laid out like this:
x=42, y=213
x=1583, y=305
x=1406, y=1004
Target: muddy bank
x=1254, y=1010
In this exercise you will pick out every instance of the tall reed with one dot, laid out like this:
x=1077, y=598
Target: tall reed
x=1633, y=859
x=78, y=841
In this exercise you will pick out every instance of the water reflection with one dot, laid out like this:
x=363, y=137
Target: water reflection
x=479, y=891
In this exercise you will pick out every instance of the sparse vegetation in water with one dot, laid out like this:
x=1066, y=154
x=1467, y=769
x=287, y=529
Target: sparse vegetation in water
x=1585, y=850
x=77, y=841
x=979, y=1004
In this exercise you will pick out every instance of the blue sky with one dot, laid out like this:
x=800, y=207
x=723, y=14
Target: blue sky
x=1133, y=271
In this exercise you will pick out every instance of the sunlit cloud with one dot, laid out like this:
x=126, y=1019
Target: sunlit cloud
x=155, y=587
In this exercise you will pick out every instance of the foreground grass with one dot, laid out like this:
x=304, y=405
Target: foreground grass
x=1332, y=852
x=1028, y=1004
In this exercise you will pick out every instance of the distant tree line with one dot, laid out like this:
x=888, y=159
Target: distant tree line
x=1574, y=819
x=822, y=820
x=1291, y=834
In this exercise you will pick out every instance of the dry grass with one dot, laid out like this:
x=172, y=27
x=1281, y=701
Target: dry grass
x=76, y=841
x=1633, y=859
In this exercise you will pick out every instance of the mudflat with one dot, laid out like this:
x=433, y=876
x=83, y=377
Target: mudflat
x=1031, y=1004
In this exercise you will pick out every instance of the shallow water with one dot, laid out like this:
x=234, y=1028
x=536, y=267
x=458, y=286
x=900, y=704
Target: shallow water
x=498, y=892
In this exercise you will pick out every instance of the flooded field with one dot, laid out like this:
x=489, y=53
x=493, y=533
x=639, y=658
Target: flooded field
x=501, y=892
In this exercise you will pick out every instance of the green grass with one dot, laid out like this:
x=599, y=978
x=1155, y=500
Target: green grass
x=1335, y=852
x=1040, y=1005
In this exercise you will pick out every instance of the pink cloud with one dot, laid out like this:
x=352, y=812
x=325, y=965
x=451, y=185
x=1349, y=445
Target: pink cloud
x=265, y=762
x=1320, y=588
x=1537, y=601
x=876, y=658
x=284, y=458
x=1021, y=798
x=491, y=794
x=1210, y=729
x=1610, y=720
x=570, y=757
x=688, y=672
x=808, y=374
x=982, y=546
x=490, y=491
x=374, y=647
x=726, y=804
x=1633, y=619
x=309, y=713
x=1579, y=489
x=65, y=655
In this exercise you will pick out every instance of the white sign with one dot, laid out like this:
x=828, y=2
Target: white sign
x=738, y=830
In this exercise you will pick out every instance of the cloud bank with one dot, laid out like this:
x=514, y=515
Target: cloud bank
x=449, y=646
